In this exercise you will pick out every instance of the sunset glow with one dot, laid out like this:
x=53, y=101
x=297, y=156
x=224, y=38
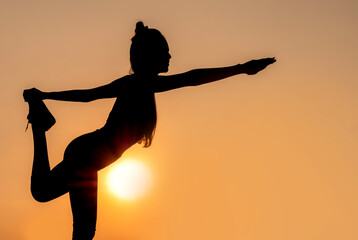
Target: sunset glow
x=129, y=179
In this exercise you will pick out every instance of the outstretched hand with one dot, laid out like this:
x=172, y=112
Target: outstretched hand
x=32, y=93
x=254, y=66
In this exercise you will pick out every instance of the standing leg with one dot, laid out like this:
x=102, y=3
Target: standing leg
x=83, y=197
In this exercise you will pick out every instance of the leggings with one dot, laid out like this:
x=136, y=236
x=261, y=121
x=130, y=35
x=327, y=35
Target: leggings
x=76, y=174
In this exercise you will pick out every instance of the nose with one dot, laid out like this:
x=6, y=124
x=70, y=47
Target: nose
x=170, y=56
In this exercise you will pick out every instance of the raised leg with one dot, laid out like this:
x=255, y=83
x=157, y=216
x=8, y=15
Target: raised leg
x=41, y=165
x=83, y=197
x=46, y=184
x=70, y=176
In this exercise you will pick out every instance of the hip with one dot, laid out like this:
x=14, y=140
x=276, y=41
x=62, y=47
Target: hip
x=92, y=150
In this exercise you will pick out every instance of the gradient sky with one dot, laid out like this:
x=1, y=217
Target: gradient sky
x=271, y=156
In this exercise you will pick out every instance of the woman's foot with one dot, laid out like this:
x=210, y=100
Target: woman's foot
x=39, y=115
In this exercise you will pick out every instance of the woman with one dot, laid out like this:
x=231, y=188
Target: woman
x=132, y=120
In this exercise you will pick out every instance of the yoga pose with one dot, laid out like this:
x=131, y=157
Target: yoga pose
x=132, y=120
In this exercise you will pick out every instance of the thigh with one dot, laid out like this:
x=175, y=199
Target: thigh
x=83, y=197
x=52, y=185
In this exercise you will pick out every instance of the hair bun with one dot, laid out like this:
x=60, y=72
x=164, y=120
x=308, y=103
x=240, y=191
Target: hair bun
x=139, y=27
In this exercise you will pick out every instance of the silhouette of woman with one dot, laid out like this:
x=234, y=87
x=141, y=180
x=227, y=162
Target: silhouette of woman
x=132, y=120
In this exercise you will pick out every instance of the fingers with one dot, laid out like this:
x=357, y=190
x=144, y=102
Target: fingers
x=254, y=66
x=268, y=60
x=271, y=60
x=26, y=95
x=263, y=63
x=31, y=93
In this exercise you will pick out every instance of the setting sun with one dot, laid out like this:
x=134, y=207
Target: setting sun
x=129, y=179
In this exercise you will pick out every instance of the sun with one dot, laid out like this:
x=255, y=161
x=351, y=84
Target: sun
x=129, y=179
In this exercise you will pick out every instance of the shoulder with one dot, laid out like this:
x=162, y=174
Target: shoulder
x=122, y=80
x=120, y=83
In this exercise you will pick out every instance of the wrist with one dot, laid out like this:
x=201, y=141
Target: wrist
x=239, y=68
x=43, y=95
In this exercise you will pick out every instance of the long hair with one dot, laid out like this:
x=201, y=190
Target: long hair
x=147, y=120
x=143, y=49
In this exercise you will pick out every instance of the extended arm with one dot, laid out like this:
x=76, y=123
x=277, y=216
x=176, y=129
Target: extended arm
x=84, y=95
x=201, y=76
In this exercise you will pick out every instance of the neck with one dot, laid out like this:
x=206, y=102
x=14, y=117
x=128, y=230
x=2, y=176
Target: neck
x=145, y=77
x=148, y=75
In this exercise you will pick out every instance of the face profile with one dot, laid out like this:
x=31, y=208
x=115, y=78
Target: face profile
x=162, y=58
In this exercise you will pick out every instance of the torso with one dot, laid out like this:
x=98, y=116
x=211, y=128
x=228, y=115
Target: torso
x=134, y=104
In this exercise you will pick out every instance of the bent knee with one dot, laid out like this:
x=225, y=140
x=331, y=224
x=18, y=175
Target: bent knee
x=39, y=192
x=40, y=196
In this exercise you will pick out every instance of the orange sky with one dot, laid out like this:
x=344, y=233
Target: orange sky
x=271, y=156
